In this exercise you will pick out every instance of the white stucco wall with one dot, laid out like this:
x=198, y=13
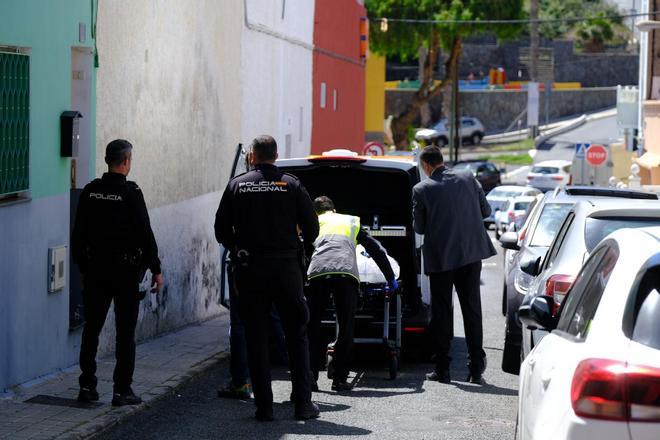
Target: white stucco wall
x=169, y=81
x=276, y=73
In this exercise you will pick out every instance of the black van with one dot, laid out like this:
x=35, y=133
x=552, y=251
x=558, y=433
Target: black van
x=379, y=191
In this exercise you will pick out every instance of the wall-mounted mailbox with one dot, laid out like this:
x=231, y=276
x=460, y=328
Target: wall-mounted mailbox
x=69, y=133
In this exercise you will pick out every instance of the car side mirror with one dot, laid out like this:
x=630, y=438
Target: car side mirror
x=538, y=314
x=531, y=266
x=509, y=240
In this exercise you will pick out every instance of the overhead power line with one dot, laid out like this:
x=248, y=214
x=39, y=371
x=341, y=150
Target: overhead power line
x=517, y=21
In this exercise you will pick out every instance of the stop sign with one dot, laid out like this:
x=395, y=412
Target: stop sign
x=596, y=155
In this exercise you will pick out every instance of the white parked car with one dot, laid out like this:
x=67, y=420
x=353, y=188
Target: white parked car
x=549, y=174
x=597, y=374
x=587, y=223
x=500, y=195
x=512, y=215
x=471, y=130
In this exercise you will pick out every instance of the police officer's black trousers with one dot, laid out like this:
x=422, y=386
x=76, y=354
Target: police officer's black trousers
x=344, y=291
x=467, y=280
x=279, y=281
x=97, y=296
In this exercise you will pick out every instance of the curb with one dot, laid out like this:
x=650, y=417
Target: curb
x=116, y=416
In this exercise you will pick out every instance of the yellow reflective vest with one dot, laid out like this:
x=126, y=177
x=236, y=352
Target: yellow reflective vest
x=334, y=249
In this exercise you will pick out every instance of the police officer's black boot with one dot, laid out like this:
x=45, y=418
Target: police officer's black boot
x=88, y=395
x=126, y=397
x=306, y=411
x=264, y=415
x=477, y=367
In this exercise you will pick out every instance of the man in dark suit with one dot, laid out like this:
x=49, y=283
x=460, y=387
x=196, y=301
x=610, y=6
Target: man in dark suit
x=448, y=209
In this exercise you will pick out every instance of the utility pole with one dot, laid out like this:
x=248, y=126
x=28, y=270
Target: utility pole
x=534, y=49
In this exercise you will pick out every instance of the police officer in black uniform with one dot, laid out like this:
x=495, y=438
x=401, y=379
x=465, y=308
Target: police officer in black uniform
x=258, y=219
x=112, y=244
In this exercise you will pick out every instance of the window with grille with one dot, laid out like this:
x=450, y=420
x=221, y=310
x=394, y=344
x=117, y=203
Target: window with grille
x=14, y=123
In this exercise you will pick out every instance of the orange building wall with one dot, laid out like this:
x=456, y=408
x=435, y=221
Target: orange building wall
x=337, y=63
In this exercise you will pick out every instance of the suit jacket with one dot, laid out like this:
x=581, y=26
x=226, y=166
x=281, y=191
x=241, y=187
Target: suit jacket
x=448, y=209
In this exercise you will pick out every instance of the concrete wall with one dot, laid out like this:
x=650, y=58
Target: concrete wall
x=276, y=73
x=498, y=108
x=169, y=82
x=479, y=54
x=34, y=333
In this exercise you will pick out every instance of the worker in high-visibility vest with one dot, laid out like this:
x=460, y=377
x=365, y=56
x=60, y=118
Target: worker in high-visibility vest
x=333, y=270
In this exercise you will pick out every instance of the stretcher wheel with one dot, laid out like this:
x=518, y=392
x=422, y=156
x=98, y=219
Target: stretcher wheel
x=394, y=366
x=330, y=366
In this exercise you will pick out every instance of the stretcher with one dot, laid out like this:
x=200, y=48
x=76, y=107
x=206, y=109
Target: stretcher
x=370, y=292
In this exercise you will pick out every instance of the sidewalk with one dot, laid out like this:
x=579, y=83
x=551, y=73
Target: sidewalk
x=162, y=364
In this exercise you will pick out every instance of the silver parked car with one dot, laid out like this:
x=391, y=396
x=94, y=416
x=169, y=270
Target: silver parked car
x=512, y=215
x=531, y=243
x=471, y=130
x=585, y=226
x=499, y=196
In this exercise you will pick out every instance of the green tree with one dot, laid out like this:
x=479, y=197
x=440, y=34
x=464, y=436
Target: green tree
x=405, y=39
x=572, y=9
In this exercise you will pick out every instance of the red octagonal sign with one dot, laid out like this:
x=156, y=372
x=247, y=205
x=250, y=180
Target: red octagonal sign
x=596, y=155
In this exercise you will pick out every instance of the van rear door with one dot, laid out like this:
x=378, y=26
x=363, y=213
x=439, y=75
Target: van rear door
x=239, y=166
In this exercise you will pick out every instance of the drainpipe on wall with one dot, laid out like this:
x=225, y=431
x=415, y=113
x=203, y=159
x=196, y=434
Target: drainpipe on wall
x=643, y=73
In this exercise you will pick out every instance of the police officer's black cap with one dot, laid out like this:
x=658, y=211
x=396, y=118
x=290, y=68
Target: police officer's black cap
x=116, y=151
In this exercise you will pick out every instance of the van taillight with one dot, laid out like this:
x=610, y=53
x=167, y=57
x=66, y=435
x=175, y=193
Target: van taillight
x=613, y=390
x=557, y=286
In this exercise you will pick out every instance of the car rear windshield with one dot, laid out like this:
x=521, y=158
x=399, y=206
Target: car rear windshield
x=550, y=220
x=598, y=228
x=545, y=170
x=504, y=193
x=521, y=206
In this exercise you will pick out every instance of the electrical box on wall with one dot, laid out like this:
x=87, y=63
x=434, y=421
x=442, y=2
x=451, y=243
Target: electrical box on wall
x=57, y=257
x=69, y=133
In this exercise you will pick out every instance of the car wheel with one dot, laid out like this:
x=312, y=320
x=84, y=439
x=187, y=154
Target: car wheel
x=476, y=138
x=441, y=142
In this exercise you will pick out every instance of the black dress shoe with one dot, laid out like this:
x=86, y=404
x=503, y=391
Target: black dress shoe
x=477, y=370
x=125, y=398
x=307, y=411
x=442, y=377
x=315, y=388
x=264, y=415
x=476, y=378
x=88, y=395
x=341, y=386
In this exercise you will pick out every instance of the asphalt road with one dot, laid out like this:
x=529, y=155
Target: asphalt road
x=563, y=146
x=408, y=407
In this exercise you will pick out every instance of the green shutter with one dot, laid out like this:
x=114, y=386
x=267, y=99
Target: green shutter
x=14, y=123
